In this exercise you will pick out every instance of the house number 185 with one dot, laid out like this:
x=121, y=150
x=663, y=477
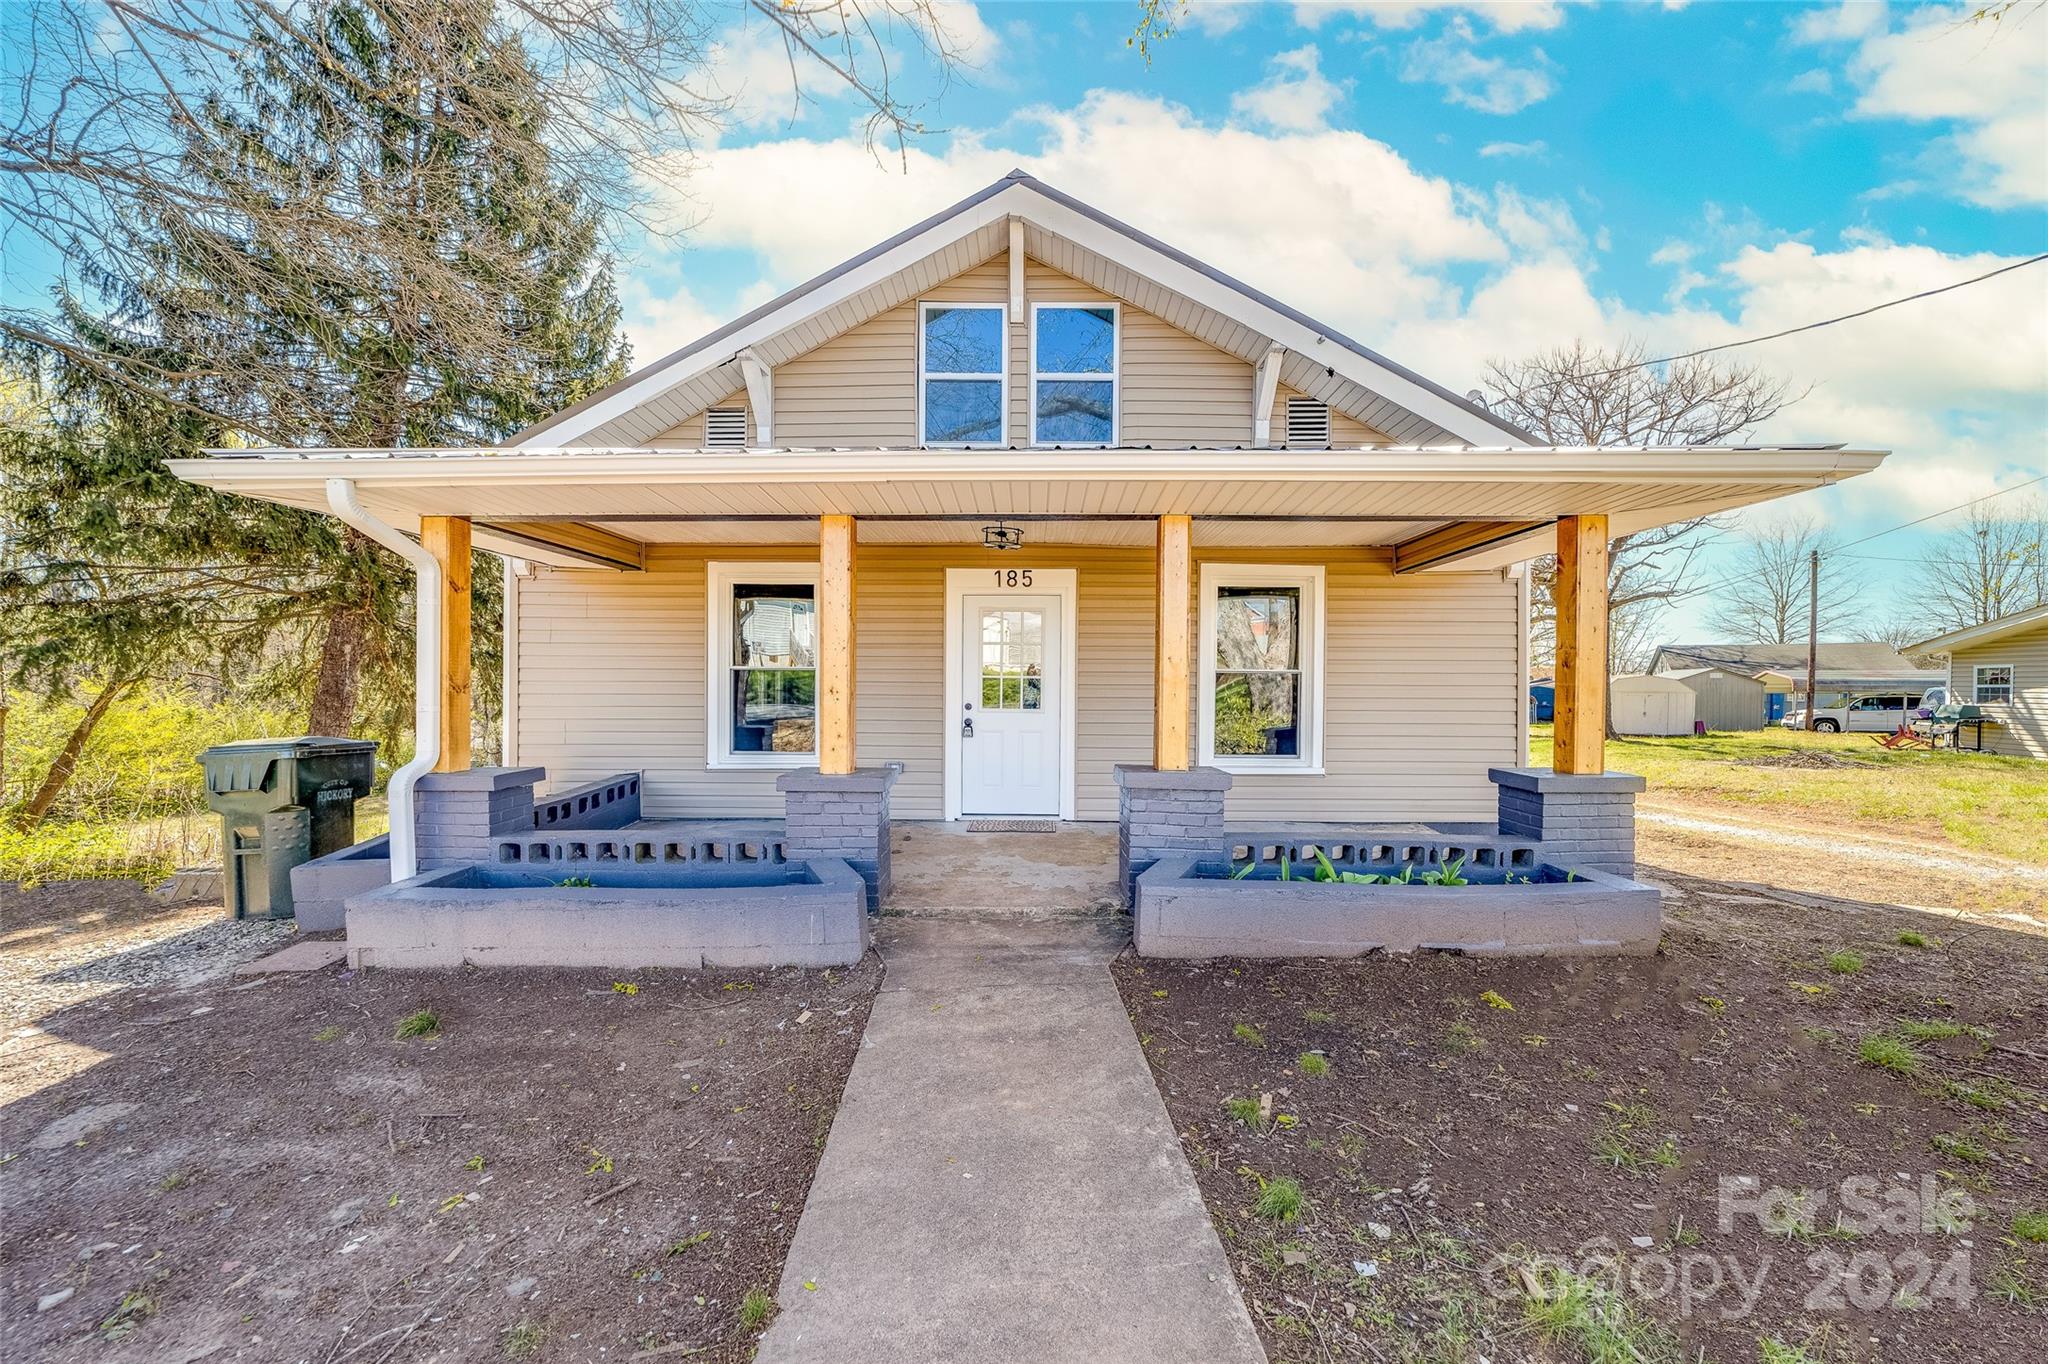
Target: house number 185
x=1013, y=577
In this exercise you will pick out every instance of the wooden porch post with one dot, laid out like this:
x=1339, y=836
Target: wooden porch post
x=836, y=539
x=1581, y=736
x=447, y=538
x=1173, y=655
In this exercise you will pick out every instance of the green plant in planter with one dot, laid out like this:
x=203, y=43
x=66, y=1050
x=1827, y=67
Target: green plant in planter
x=1246, y=870
x=1447, y=874
x=577, y=883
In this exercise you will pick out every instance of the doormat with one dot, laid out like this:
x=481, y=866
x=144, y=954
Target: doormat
x=1013, y=826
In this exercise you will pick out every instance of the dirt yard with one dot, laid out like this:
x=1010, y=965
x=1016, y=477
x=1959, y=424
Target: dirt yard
x=565, y=1166
x=1491, y=1146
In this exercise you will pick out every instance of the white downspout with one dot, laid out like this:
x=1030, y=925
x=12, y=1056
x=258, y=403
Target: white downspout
x=342, y=500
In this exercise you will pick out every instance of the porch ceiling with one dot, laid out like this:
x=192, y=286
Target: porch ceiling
x=1441, y=506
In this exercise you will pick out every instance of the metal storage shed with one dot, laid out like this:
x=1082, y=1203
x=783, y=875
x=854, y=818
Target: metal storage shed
x=1725, y=700
x=1653, y=704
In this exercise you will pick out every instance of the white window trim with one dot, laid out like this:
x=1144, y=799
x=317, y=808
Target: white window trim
x=2012, y=683
x=1115, y=377
x=1308, y=578
x=720, y=579
x=1001, y=376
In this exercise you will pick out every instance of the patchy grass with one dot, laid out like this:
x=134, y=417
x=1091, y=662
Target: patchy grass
x=1249, y=1035
x=2031, y=1226
x=524, y=1338
x=1574, y=1310
x=1887, y=1052
x=755, y=1309
x=1911, y=939
x=1280, y=1200
x=1845, y=962
x=1976, y=802
x=1312, y=1064
x=421, y=1024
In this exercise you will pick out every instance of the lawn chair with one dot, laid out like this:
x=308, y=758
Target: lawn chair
x=1902, y=737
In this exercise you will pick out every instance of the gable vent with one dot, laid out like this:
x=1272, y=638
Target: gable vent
x=725, y=428
x=1308, y=424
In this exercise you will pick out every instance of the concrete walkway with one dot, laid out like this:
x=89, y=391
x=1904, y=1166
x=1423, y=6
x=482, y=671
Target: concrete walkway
x=1002, y=1182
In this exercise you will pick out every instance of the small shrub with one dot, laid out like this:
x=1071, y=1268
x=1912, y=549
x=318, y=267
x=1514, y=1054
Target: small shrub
x=755, y=1309
x=1280, y=1200
x=1844, y=962
x=1911, y=939
x=1249, y=1035
x=1887, y=1052
x=2031, y=1226
x=420, y=1023
x=1312, y=1064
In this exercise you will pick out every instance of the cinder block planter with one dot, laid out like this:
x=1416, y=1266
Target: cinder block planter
x=321, y=888
x=1189, y=908
x=768, y=914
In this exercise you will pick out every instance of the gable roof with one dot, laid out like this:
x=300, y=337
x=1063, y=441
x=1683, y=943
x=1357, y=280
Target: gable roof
x=1863, y=661
x=2015, y=623
x=1068, y=235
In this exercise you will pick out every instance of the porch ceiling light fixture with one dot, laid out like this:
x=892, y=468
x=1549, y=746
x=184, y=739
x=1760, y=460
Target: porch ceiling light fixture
x=1000, y=536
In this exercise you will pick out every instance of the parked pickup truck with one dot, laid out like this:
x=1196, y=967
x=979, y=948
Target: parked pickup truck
x=1876, y=712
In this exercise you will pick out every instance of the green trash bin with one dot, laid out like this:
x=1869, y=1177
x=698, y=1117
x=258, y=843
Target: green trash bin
x=283, y=802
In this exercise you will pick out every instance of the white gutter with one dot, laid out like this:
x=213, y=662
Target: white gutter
x=342, y=500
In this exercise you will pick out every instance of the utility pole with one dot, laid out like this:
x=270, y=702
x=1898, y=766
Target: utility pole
x=1812, y=633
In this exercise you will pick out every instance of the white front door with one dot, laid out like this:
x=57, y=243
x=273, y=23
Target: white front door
x=1010, y=704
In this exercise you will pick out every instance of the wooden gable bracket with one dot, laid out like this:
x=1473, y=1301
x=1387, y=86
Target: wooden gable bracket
x=760, y=394
x=1016, y=271
x=1265, y=386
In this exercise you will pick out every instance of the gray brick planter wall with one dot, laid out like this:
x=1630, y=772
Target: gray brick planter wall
x=1583, y=822
x=1181, y=913
x=841, y=816
x=462, y=815
x=1165, y=814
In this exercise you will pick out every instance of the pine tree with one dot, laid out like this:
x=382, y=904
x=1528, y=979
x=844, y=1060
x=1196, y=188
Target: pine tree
x=390, y=259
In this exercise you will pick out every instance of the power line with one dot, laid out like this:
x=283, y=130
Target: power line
x=1828, y=322
x=1944, y=511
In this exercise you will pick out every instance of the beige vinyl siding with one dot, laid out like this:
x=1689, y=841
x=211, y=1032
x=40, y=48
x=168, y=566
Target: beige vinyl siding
x=1421, y=682
x=1346, y=430
x=860, y=388
x=2021, y=727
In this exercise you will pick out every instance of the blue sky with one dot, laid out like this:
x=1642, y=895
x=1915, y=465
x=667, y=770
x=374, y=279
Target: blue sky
x=1456, y=182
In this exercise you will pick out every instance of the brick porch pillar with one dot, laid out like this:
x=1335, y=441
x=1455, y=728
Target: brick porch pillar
x=1165, y=813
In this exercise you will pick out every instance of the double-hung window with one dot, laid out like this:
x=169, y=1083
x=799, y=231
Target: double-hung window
x=1991, y=683
x=960, y=383
x=764, y=665
x=1261, y=668
x=1074, y=373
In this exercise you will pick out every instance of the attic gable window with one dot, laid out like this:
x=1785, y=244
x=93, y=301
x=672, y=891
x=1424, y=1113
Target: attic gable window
x=1074, y=374
x=960, y=383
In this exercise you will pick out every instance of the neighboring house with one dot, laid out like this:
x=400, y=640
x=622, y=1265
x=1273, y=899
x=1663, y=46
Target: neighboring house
x=1724, y=700
x=1652, y=704
x=2002, y=667
x=1249, y=545
x=1844, y=668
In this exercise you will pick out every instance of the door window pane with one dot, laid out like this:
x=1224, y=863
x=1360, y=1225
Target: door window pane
x=1012, y=659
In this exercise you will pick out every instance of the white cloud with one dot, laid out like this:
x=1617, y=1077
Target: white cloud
x=1348, y=229
x=1537, y=148
x=1492, y=85
x=1295, y=96
x=1504, y=16
x=1815, y=82
x=1988, y=81
x=751, y=66
x=1216, y=17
